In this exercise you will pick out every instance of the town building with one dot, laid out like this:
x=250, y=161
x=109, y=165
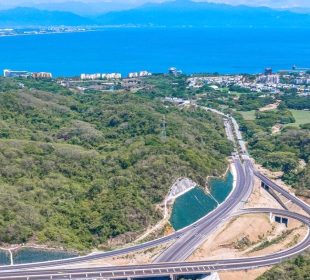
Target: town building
x=174, y=71
x=133, y=75
x=302, y=81
x=15, y=74
x=139, y=74
x=112, y=76
x=91, y=76
x=268, y=79
x=144, y=74
x=42, y=75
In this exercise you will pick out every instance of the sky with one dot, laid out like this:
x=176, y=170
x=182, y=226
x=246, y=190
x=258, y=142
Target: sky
x=269, y=3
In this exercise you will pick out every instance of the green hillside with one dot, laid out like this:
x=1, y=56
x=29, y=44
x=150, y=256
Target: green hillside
x=297, y=269
x=79, y=169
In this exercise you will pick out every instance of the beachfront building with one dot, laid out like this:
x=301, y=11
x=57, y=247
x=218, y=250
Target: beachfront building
x=139, y=74
x=15, y=74
x=91, y=76
x=42, y=75
x=112, y=76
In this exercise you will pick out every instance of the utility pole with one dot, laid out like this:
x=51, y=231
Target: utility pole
x=163, y=129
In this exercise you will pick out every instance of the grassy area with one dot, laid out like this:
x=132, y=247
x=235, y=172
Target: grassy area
x=301, y=117
x=248, y=115
x=273, y=241
x=237, y=93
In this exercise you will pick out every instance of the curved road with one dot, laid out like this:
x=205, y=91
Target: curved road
x=188, y=240
x=203, y=226
x=173, y=267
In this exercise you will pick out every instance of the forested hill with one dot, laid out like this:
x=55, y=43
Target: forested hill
x=79, y=169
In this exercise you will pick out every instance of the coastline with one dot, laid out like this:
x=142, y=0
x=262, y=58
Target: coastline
x=218, y=177
x=18, y=247
x=168, y=202
x=12, y=249
x=47, y=33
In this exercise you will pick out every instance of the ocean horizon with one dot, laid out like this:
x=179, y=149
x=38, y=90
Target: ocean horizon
x=124, y=50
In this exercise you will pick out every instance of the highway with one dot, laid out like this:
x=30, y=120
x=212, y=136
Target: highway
x=194, y=234
x=189, y=242
x=200, y=228
x=283, y=192
x=173, y=267
x=171, y=261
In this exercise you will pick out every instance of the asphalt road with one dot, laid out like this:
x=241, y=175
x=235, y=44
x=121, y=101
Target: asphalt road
x=172, y=267
x=283, y=192
x=188, y=239
x=195, y=233
x=187, y=244
x=201, y=228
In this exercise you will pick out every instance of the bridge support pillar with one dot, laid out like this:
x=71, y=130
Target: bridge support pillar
x=173, y=277
x=271, y=217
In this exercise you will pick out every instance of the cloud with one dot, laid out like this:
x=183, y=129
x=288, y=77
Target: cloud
x=269, y=3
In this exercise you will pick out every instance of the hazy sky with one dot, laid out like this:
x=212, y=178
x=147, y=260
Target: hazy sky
x=270, y=3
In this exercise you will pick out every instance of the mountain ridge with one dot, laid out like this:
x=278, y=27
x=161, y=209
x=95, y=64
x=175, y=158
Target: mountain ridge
x=181, y=13
x=204, y=14
x=25, y=17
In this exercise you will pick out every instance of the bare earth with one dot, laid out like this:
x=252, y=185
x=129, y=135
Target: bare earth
x=241, y=235
x=243, y=275
x=141, y=257
x=270, y=106
x=276, y=128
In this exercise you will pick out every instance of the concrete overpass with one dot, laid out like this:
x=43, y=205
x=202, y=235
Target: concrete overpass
x=171, y=268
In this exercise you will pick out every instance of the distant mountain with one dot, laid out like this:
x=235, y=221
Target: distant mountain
x=82, y=8
x=22, y=17
x=203, y=14
x=168, y=14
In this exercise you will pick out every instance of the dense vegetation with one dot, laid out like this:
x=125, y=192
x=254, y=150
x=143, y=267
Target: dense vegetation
x=280, y=151
x=224, y=99
x=297, y=102
x=79, y=169
x=297, y=269
x=289, y=149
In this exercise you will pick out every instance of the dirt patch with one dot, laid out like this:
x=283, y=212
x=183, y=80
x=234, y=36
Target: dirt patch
x=249, y=235
x=144, y=257
x=227, y=241
x=140, y=257
x=261, y=198
x=270, y=107
x=276, y=128
x=267, y=172
x=275, y=177
x=243, y=275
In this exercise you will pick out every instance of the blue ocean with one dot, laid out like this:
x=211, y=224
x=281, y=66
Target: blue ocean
x=125, y=50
